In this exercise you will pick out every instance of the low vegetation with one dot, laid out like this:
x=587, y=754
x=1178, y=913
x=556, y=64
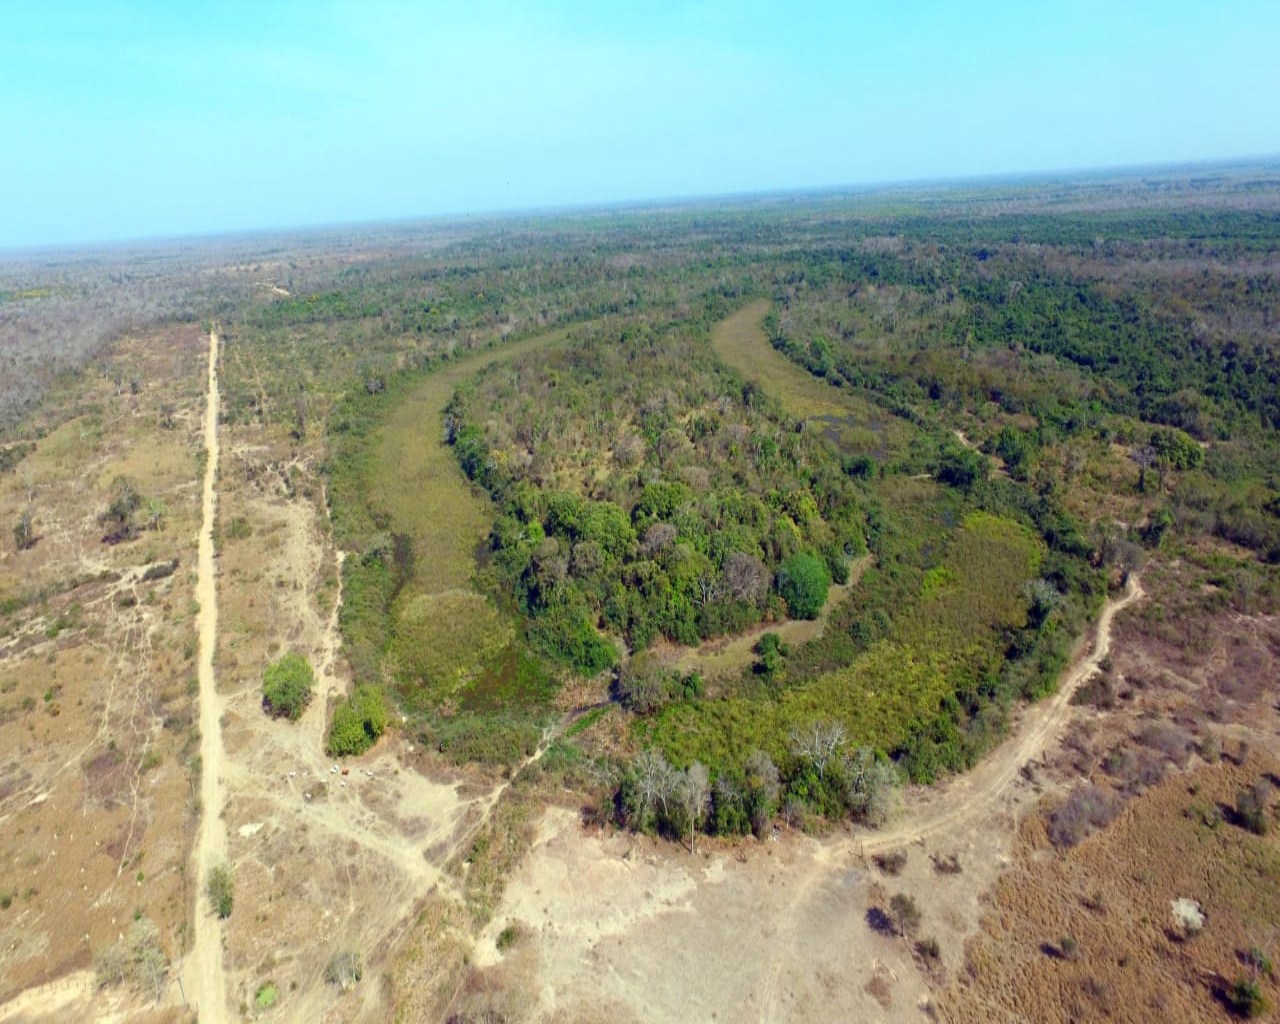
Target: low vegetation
x=138, y=959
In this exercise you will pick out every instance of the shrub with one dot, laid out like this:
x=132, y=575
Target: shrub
x=891, y=863
x=803, y=581
x=509, y=936
x=948, y=865
x=929, y=948
x=1251, y=808
x=344, y=970
x=1086, y=809
x=1246, y=999
x=221, y=890
x=286, y=686
x=1169, y=740
x=1257, y=959
x=905, y=913
x=266, y=996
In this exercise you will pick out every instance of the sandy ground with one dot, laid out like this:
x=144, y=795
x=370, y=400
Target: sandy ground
x=628, y=929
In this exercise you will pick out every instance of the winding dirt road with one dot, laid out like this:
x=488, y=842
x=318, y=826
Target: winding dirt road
x=204, y=979
x=971, y=797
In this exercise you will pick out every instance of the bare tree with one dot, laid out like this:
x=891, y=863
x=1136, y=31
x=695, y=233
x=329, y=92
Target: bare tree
x=655, y=781
x=764, y=787
x=139, y=958
x=873, y=787
x=818, y=743
x=1074, y=460
x=747, y=578
x=24, y=533
x=344, y=970
x=693, y=798
x=657, y=538
x=1145, y=456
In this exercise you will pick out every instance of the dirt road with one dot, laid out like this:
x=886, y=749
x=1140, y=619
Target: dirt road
x=972, y=796
x=203, y=972
x=630, y=928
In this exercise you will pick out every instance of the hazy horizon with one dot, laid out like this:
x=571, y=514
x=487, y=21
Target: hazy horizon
x=132, y=123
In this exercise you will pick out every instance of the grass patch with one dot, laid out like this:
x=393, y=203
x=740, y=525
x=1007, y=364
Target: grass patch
x=266, y=996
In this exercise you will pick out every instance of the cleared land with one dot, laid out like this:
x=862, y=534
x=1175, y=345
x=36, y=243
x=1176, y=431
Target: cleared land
x=97, y=673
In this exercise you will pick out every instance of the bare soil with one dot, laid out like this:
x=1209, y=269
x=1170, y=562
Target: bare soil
x=96, y=713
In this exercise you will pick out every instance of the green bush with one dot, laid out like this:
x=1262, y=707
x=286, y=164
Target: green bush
x=358, y=722
x=803, y=580
x=286, y=686
x=221, y=889
x=1251, y=808
x=1246, y=998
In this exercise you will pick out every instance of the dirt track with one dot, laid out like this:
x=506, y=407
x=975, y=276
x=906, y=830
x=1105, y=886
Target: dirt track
x=631, y=929
x=204, y=977
x=972, y=796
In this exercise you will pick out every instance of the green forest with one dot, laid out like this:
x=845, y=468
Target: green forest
x=943, y=429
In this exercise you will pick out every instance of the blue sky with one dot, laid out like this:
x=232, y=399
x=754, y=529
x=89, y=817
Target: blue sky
x=132, y=119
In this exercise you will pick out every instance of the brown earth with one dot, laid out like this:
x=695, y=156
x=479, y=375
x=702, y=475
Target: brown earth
x=1181, y=674
x=96, y=710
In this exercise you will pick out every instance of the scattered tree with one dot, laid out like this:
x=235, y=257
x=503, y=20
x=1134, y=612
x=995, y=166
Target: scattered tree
x=221, y=889
x=118, y=517
x=818, y=743
x=905, y=913
x=24, y=532
x=157, y=511
x=344, y=970
x=772, y=653
x=286, y=686
x=358, y=722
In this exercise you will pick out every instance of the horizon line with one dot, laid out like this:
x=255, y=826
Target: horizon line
x=87, y=247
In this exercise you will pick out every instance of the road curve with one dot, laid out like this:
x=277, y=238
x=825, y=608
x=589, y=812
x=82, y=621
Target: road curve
x=974, y=795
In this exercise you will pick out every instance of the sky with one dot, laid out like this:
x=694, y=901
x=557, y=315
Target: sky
x=125, y=120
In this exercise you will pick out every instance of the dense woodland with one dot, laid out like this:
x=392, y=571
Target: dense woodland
x=1046, y=386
